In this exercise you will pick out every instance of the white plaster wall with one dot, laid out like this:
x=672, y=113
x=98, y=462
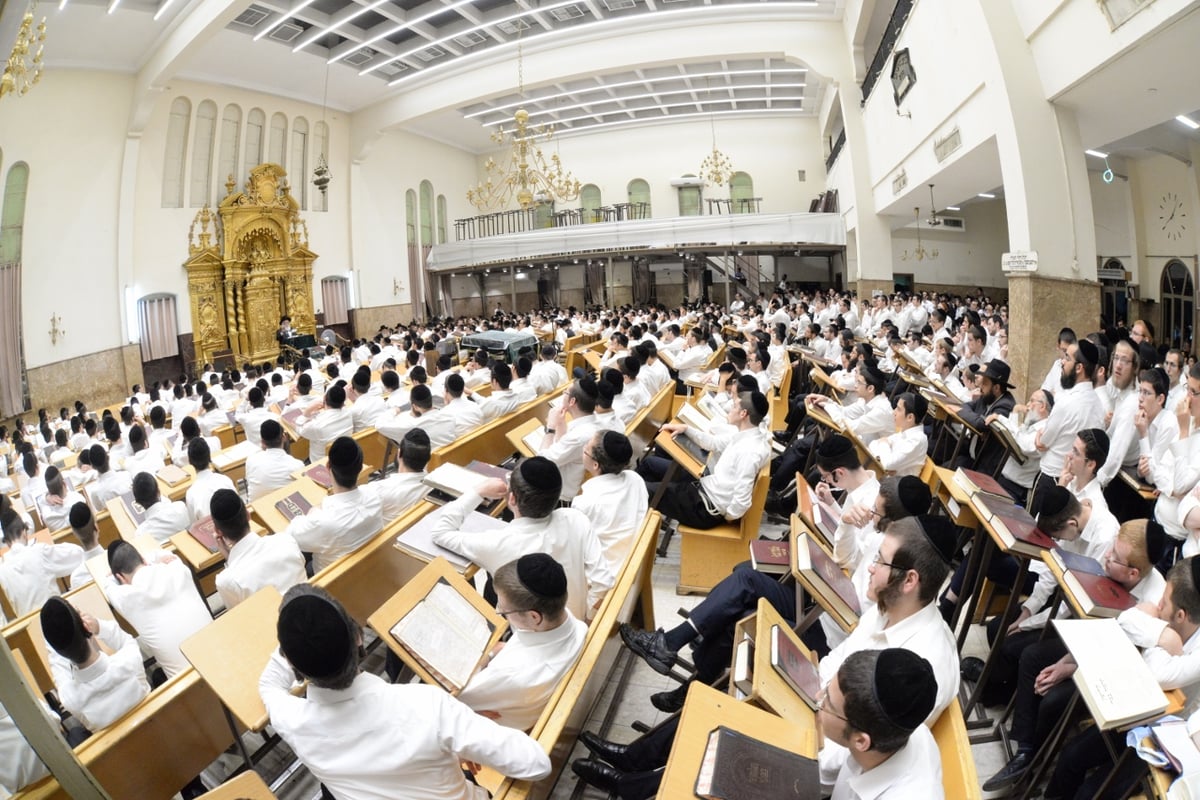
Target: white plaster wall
x=1112, y=211
x=971, y=258
x=1155, y=177
x=69, y=249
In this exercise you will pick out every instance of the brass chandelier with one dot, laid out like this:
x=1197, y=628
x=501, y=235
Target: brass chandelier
x=525, y=172
x=716, y=168
x=22, y=71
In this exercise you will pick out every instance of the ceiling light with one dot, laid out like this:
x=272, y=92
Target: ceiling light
x=404, y=25
x=1188, y=121
x=1096, y=154
x=113, y=6
x=641, y=82
x=668, y=106
x=775, y=112
x=331, y=28
x=284, y=17
x=986, y=196
x=953, y=208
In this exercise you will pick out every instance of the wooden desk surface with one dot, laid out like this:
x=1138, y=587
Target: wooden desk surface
x=198, y=557
x=961, y=510
x=177, y=491
x=770, y=691
x=264, y=507
x=705, y=709
x=682, y=457
x=819, y=414
x=126, y=527
x=231, y=652
x=246, y=786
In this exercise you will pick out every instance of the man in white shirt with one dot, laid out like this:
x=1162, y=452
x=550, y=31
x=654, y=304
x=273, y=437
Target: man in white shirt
x=55, y=505
x=159, y=599
x=83, y=525
x=538, y=526
x=563, y=443
x=547, y=374
x=405, y=735
x=365, y=407
x=271, y=467
x=28, y=571
x=398, y=492
x=903, y=452
x=164, y=518
x=1122, y=434
x=142, y=458
x=326, y=421
x=615, y=498
x=1156, y=430
x=438, y=425
x=464, y=411
x=252, y=418
x=514, y=684
x=653, y=374
x=347, y=519
x=871, y=414
x=1075, y=408
x=109, y=483
x=502, y=400
x=96, y=686
x=251, y=561
x=206, y=481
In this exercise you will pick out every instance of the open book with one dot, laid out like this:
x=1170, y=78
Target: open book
x=1112, y=678
x=451, y=481
x=440, y=626
x=418, y=539
x=527, y=438
x=690, y=415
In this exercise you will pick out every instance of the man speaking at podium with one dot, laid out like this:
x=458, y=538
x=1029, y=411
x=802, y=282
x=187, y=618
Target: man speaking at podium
x=285, y=331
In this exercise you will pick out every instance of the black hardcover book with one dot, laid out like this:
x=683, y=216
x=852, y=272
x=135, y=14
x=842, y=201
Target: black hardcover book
x=738, y=767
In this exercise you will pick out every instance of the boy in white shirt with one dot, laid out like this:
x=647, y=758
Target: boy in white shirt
x=251, y=561
x=272, y=467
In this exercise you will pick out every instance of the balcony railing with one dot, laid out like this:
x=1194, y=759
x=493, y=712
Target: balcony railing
x=886, y=45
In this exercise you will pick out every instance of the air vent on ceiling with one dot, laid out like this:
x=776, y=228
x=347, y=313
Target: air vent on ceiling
x=286, y=32
x=359, y=57
x=430, y=53
x=470, y=39
x=567, y=13
x=251, y=16
x=389, y=70
x=513, y=25
x=619, y=5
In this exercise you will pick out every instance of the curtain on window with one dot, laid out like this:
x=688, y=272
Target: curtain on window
x=594, y=290
x=335, y=294
x=12, y=392
x=158, y=326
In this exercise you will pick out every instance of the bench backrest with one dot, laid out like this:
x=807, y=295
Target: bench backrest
x=487, y=443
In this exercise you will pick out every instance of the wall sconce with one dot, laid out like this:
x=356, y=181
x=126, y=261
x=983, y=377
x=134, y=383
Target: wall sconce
x=56, y=330
x=396, y=287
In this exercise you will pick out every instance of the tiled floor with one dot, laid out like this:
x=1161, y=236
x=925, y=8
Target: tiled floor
x=295, y=783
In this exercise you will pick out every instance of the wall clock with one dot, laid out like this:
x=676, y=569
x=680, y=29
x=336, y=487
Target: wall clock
x=1171, y=216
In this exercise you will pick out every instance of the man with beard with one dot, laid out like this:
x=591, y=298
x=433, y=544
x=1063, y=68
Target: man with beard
x=1075, y=408
x=912, y=563
x=1122, y=435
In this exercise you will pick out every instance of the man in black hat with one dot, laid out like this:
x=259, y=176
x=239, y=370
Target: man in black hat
x=875, y=707
x=516, y=682
x=344, y=521
x=1075, y=408
x=326, y=421
x=538, y=526
x=399, y=731
x=251, y=561
x=995, y=400
x=96, y=687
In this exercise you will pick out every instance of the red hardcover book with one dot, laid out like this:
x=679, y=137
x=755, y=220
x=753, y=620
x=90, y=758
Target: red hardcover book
x=294, y=505
x=973, y=481
x=831, y=587
x=1098, y=596
x=771, y=556
x=320, y=475
x=794, y=666
x=204, y=531
x=1013, y=524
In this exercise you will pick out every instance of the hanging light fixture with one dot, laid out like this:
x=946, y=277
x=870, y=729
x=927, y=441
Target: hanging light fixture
x=716, y=168
x=321, y=174
x=24, y=66
x=525, y=174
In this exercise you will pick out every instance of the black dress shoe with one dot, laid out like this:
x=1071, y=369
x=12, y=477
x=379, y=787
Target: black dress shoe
x=971, y=669
x=605, y=750
x=650, y=646
x=670, y=701
x=1012, y=773
x=597, y=773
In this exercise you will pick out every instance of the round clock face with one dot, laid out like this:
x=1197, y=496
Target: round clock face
x=1171, y=216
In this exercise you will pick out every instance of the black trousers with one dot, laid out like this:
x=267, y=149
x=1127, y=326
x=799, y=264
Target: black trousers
x=683, y=501
x=1034, y=715
x=1083, y=754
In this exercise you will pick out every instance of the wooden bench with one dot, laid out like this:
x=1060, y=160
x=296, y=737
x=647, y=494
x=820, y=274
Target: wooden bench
x=572, y=702
x=779, y=400
x=707, y=556
x=959, y=779
x=644, y=426
x=488, y=442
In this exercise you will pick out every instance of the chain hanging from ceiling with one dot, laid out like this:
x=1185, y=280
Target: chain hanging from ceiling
x=24, y=66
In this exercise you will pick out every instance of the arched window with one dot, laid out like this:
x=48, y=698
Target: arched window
x=741, y=190
x=299, y=182
x=639, y=195
x=426, y=190
x=176, y=150
x=442, y=222
x=689, y=199
x=589, y=201
x=14, y=392
x=321, y=148
x=202, y=154
x=1178, y=305
x=277, y=140
x=227, y=158
x=256, y=121
x=410, y=217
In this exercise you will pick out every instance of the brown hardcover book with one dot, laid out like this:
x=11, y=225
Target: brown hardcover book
x=973, y=481
x=294, y=505
x=320, y=475
x=293, y=416
x=1098, y=596
x=771, y=556
x=1013, y=524
x=134, y=508
x=795, y=667
x=739, y=767
x=822, y=520
x=172, y=475
x=204, y=531
x=834, y=590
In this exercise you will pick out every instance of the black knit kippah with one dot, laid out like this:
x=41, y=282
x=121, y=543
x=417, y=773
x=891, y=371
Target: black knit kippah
x=542, y=575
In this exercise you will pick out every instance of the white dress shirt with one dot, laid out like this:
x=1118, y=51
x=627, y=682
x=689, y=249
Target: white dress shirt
x=729, y=485
x=616, y=505
x=914, y=772
x=342, y=523
x=162, y=604
x=322, y=429
x=164, y=519
x=437, y=424
x=397, y=493
x=268, y=470
x=28, y=572
x=108, y=485
x=1093, y=542
x=520, y=679
x=20, y=765
x=869, y=419
x=257, y=561
x=902, y=452
x=654, y=376
x=498, y=403
x=567, y=453
x=99, y=693
x=547, y=376
x=179, y=456
x=81, y=576
x=690, y=361
x=1161, y=434
x=408, y=739
x=1122, y=436
x=204, y=486
x=57, y=517
x=566, y=535
x=366, y=410
x=251, y=421
x=148, y=459
x=465, y=413
x=1074, y=410
x=1171, y=672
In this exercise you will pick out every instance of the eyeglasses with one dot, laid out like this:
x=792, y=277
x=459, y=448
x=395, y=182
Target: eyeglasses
x=1122, y=360
x=506, y=614
x=1146, y=393
x=1111, y=558
x=879, y=562
x=824, y=704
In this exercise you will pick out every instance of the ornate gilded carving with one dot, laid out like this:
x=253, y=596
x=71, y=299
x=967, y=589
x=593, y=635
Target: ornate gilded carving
x=254, y=267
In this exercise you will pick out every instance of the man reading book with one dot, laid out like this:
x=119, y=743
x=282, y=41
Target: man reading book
x=206, y=481
x=538, y=526
x=251, y=561
x=1169, y=635
x=903, y=452
x=271, y=467
x=163, y=519
x=514, y=685
x=1044, y=686
x=614, y=500
x=407, y=737
x=398, y=492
